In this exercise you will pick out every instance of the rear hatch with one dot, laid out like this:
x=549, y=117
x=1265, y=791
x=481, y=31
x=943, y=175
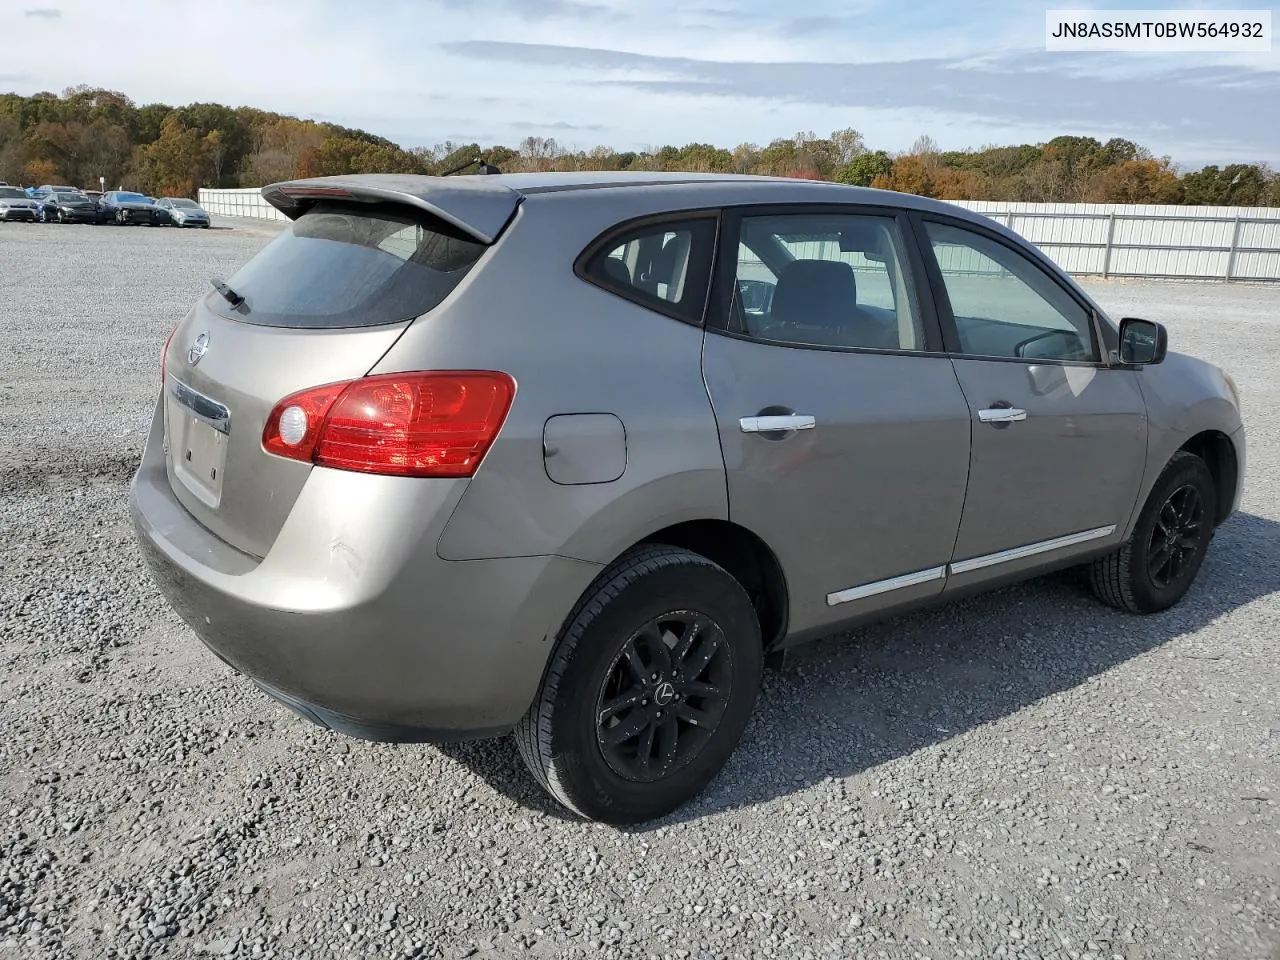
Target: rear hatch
x=321, y=304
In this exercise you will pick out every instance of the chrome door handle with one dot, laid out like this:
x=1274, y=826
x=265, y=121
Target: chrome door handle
x=795, y=421
x=1002, y=415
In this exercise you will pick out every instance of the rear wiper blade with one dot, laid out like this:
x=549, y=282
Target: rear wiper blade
x=228, y=294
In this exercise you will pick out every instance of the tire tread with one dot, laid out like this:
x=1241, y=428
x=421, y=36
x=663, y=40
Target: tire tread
x=1111, y=576
x=533, y=732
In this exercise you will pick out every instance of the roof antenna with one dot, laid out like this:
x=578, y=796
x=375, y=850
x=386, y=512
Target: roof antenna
x=486, y=168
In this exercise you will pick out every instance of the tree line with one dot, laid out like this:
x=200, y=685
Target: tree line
x=86, y=133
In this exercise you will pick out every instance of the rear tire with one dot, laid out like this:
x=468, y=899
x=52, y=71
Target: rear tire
x=649, y=689
x=1156, y=566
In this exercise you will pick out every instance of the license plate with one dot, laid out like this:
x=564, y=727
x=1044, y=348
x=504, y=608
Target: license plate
x=199, y=456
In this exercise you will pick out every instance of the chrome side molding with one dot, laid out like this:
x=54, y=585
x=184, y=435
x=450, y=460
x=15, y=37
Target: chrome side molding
x=884, y=586
x=966, y=566
x=1031, y=549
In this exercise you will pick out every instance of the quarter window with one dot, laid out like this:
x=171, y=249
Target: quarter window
x=1004, y=305
x=826, y=280
x=663, y=266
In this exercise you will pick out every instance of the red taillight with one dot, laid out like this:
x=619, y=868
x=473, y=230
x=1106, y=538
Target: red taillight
x=303, y=417
x=164, y=354
x=437, y=424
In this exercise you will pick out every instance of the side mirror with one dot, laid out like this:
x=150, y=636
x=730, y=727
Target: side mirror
x=1142, y=341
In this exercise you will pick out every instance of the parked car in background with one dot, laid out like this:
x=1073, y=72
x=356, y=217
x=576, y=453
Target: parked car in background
x=163, y=219
x=16, y=205
x=124, y=207
x=184, y=212
x=589, y=494
x=65, y=207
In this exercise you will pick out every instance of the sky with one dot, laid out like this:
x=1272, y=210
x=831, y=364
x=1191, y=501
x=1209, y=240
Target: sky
x=640, y=73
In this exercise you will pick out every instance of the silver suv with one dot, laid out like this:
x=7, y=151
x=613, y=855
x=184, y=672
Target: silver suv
x=572, y=455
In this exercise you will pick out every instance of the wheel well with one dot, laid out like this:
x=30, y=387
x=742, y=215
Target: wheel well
x=1215, y=449
x=746, y=557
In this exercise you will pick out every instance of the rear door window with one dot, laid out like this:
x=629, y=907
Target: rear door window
x=664, y=266
x=338, y=266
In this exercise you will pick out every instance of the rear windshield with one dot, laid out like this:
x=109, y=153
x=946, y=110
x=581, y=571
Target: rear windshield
x=340, y=266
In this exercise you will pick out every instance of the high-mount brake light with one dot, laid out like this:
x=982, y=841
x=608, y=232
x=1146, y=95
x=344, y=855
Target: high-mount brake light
x=316, y=191
x=420, y=424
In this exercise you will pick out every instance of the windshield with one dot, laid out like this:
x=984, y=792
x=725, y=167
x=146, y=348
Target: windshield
x=69, y=196
x=10, y=193
x=132, y=198
x=339, y=267
x=185, y=204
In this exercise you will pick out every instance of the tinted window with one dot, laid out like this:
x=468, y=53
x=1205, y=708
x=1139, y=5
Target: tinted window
x=665, y=266
x=338, y=267
x=831, y=280
x=1004, y=305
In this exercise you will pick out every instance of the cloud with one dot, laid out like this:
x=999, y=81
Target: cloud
x=628, y=74
x=43, y=13
x=558, y=125
x=531, y=11
x=1206, y=104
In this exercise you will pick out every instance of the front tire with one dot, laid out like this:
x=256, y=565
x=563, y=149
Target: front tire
x=1156, y=566
x=649, y=689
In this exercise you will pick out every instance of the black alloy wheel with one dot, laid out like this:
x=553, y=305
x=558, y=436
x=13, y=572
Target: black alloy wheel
x=1175, y=536
x=664, y=696
x=1154, y=568
x=649, y=688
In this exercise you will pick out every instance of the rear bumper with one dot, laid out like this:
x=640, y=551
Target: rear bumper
x=352, y=620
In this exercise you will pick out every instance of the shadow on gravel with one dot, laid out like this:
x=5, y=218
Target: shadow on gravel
x=851, y=702
x=44, y=469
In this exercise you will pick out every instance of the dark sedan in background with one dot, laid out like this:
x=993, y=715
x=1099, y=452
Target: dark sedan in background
x=69, y=207
x=123, y=207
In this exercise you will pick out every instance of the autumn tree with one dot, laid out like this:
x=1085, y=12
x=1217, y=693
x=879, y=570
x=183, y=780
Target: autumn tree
x=1136, y=181
x=177, y=161
x=910, y=174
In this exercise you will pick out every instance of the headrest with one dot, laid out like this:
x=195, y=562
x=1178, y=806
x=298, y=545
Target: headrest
x=816, y=292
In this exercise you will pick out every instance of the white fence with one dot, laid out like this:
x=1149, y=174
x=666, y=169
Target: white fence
x=1120, y=240
x=239, y=203
x=1098, y=239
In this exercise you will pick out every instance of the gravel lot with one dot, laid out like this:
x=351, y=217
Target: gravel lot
x=1023, y=775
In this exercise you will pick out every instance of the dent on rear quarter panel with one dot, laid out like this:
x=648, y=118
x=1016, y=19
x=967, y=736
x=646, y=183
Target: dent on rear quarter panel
x=573, y=349
x=1184, y=396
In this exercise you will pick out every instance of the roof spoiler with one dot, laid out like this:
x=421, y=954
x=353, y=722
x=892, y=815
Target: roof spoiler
x=479, y=206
